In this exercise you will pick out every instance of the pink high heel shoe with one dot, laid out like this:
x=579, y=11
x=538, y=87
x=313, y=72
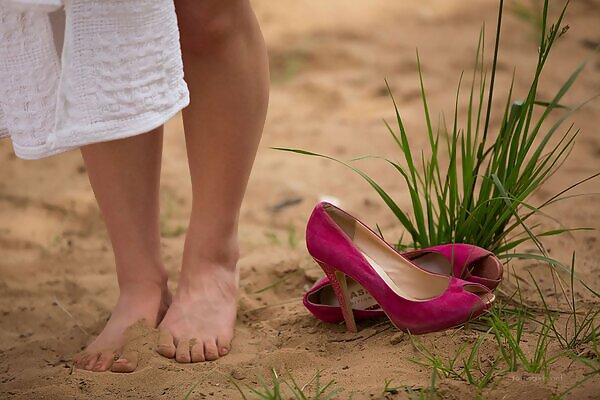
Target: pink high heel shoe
x=468, y=262
x=415, y=300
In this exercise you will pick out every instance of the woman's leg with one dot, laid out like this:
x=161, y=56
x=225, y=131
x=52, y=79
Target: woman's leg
x=226, y=68
x=125, y=176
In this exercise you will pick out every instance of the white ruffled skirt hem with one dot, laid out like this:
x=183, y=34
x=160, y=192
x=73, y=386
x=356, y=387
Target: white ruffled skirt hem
x=145, y=123
x=116, y=73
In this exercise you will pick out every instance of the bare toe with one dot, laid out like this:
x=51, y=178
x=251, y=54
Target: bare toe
x=88, y=361
x=211, y=352
x=224, y=346
x=182, y=354
x=166, y=347
x=81, y=360
x=126, y=363
x=104, y=362
x=78, y=359
x=197, y=352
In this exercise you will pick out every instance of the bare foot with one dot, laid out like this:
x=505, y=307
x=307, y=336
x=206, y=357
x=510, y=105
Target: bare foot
x=199, y=323
x=140, y=301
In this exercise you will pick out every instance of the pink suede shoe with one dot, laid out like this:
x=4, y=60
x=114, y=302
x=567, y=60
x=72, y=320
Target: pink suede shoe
x=468, y=262
x=357, y=261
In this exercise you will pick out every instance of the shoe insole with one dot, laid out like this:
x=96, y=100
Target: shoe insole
x=400, y=275
x=434, y=262
x=406, y=280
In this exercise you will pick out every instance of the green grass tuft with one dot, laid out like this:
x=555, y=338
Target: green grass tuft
x=475, y=187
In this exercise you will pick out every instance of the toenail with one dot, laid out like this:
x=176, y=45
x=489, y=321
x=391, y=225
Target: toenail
x=224, y=350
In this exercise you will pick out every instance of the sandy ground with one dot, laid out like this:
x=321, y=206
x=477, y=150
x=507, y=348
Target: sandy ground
x=329, y=60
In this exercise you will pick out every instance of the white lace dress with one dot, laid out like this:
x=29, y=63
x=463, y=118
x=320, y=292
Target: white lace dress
x=119, y=73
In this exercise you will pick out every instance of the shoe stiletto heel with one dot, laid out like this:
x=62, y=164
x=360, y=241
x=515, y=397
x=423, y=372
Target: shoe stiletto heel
x=340, y=288
x=364, y=269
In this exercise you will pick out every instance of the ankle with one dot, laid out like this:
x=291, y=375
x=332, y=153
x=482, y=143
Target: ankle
x=150, y=279
x=147, y=291
x=208, y=278
x=217, y=248
x=201, y=271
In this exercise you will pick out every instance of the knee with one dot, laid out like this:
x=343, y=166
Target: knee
x=209, y=24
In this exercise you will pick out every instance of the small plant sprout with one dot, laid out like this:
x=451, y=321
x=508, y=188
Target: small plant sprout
x=293, y=239
x=462, y=365
x=275, y=389
x=321, y=392
x=445, y=367
x=270, y=391
x=579, y=329
x=388, y=388
x=272, y=238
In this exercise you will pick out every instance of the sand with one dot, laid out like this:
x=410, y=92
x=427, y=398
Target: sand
x=329, y=60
